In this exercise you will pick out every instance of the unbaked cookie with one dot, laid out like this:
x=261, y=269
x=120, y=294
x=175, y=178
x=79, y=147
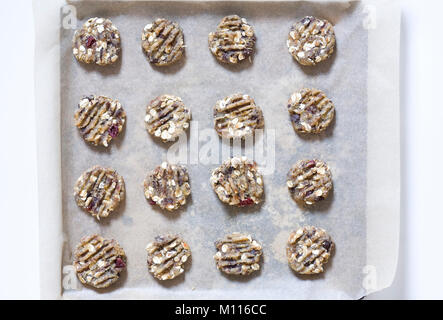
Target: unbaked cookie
x=238, y=254
x=167, y=256
x=233, y=40
x=310, y=111
x=99, y=119
x=167, y=117
x=238, y=182
x=237, y=116
x=163, y=42
x=308, y=250
x=98, y=41
x=167, y=186
x=311, y=40
x=99, y=191
x=98, y=261
x=309, y=181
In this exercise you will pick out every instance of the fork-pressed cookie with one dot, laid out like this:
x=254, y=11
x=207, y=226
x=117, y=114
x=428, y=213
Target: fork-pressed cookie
x=233, y=40
x=309, y=181
x=167, y=186
x=311, y=40
x=167, y=117
x=99, y=119
x=167, y=255
x=309, y=249
x=238, y=182
x=99, y=191
x=310, y=111
x=98, y=261
x=237, y=116
x=98, y=41
x=163, y=42
x=238, y=254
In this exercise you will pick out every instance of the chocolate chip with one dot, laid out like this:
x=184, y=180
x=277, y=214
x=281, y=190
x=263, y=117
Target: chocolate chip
x=326, y=244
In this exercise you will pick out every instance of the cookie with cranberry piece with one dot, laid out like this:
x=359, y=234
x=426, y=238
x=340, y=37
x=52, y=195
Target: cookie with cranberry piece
x=311, y=40
x=167, y=186
x=238, y=182
x=237, y=116
x=163, y=42
x=99, y=119
x=167, y=117
x=99, y=191
x=308, y=250
x=310, y=111
x=98, y=261
x=238, y=254
x=233, y=40
x=98, y=41
x=167, y=255
x=309, y=181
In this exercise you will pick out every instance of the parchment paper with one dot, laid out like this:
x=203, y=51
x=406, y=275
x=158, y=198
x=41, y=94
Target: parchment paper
x=363, y=188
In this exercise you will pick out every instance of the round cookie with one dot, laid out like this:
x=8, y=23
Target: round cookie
x=238, y=254
x=309, y=181
x=167, y=186
x=310, y=111
x=167, y=117
x=163, y=42
x=237, y=182
x=167, y=256
x=99, y=119
x=99, y=191
x=98, y=41
x=98, y=261
x=308, y=250
x=311, y=40
x=233, y=40
x=237, y=116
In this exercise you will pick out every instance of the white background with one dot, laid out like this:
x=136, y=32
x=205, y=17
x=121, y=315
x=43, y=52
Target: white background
x=419, y=275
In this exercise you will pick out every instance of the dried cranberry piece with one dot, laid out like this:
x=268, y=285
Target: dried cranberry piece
x=246, y=202
x=295, y=118
x=119, y=263
x=310, y=164
x=308, y=193
x=113, y=130
x=152, y=202
x=90, y=42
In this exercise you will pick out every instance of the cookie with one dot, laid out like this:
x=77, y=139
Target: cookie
x=237, y=116
x=98, y=261
x=309, y=181
x=311, y=40
x=99, y=119
x=167, y=186
x=238, y=182
x=238, y=254
x=163, y=42
x=98, y=41
x=167, y=256
x=308, y=250
x=310, y=111
x=167, y=117
x=233, y=40
x=99, y=191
